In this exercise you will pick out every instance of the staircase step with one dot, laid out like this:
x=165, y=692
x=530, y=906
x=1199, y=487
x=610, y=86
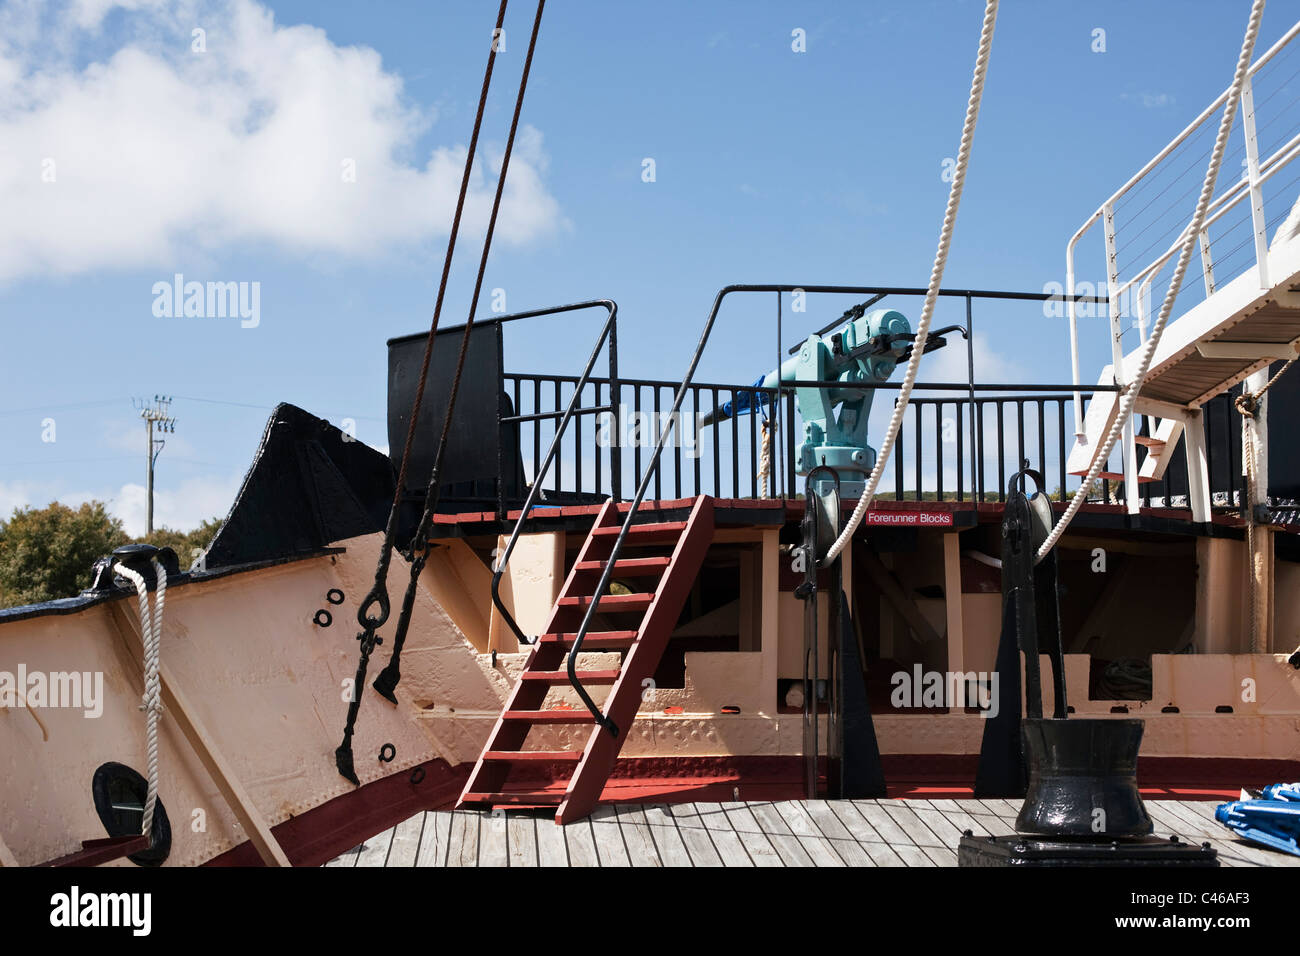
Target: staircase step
x=547, y=756
x=551, y=716
x=541, y=798
x=611, y=602
x=595, y=640
x=562, y=677
x=641, y=533
x=1149, y=442
x=629, y=567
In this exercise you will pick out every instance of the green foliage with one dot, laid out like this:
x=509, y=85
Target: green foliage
x=186, y=544
x=47, y=553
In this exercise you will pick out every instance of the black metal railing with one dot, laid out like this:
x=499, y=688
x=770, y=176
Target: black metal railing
x=680, y=393
x=572, y=412
x=652, y=425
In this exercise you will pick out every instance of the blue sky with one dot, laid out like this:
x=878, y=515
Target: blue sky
x=771, y=166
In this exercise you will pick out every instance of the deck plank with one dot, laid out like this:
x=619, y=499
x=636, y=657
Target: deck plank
x=552, y=849
x=955, y=812
x=857, y=825
x=913, y=826
x=810, y=836
x=434, y=839
x=521, y=838
x=346, y=858
x=581, y=843
x=637, y=838
x=610, y=848
x=730, y=847
x=882, y=822
x=694, y=835
x=779, y=834
x=406, y=842
x=760, y=849
x=947, y=832
x=860, y=833
x=374, y=852
x=668, y=840
x=493, y=849
x=462, y=843
x=1204, y=827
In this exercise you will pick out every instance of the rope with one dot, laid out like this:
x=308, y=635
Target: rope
x=378, y=595
x=379, y=592
x=1131, y=390
x=936, y=278
x=387, y=680
x=151, y=703
x=765, y=459
x=1247, y=404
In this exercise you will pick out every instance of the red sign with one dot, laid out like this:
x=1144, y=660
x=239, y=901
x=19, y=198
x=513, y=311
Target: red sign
x=895, y=519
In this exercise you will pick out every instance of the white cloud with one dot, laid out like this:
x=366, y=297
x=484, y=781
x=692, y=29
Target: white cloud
x=183, y=507
x=158, y=150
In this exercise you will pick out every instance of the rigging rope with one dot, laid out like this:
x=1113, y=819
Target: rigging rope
x=378, y=596
x=1190, y=240
x=1247, y=404
x=765, y=458
x=151, y=638
x=936, y=278
x=387, y=680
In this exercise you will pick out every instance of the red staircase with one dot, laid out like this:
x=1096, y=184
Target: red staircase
x=646, y=619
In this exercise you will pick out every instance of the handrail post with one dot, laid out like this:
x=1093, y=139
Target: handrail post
x=1129, y=448
x=1071, y=310
x=499, y=565
x=1256, y=192
x=616, y=406
x=970, y=376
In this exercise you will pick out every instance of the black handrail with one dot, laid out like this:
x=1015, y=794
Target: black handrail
x=652, y=468
x=608, y=331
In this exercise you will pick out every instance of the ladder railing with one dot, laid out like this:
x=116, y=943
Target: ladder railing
x=1250, y=185
x=609, y=331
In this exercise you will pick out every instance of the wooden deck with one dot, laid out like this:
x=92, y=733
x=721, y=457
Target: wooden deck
x=789, y=833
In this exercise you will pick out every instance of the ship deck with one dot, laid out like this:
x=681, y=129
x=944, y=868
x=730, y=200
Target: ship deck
x=869, y=833
x=946, y=515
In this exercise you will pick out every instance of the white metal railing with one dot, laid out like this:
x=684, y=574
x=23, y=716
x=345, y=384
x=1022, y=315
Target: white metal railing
x=1251, y=185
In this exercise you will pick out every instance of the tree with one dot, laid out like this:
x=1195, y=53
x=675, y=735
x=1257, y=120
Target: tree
x=47, y=553
x=186, y=544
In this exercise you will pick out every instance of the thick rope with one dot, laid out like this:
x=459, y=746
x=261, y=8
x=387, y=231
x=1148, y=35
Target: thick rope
x=1129, y=397
x=936, y=279
x=765, y=459
x=151, y=638
x=1247, y=404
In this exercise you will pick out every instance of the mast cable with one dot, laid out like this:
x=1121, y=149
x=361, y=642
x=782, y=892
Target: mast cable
x=1131, y=390
x=936, y=278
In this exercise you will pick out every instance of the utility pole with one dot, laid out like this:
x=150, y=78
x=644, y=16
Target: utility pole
x=158, y=415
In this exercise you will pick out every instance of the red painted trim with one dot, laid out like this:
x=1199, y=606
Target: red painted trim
x=98, y=852
x=322, y=833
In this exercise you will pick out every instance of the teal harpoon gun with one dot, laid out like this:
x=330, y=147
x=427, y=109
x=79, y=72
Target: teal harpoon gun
x=824, y=372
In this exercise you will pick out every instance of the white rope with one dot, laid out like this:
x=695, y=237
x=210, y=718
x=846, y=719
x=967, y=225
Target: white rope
x=1102, y=454
x=151, y=637
x=936, y=278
